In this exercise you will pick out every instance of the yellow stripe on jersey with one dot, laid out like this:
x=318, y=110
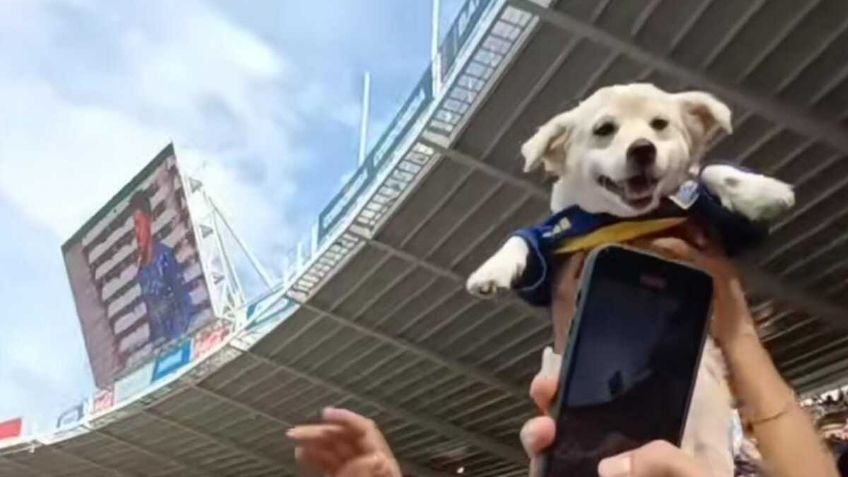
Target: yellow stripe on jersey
x=617, y=233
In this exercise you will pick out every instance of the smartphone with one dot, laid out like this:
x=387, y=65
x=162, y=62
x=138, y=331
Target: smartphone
x=631, y=359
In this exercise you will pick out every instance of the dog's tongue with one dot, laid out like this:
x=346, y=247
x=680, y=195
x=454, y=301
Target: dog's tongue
x=638, y=186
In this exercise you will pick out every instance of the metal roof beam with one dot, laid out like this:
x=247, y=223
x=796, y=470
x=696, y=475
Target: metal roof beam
x=532, y=188
x=90, y=462
x=486, y=443
x=827, y=374
x=421, y=351
x=765, y=283
x=222, y=441
x=449, y=274
x=189, y=466
x=788, y=116
x=25, y=467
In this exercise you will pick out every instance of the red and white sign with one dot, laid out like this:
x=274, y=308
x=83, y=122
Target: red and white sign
x=11, y=429
x=208, y=339
x=103, y=399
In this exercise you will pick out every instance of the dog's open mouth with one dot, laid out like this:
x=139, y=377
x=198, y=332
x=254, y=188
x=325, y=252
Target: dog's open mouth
x=636, y=191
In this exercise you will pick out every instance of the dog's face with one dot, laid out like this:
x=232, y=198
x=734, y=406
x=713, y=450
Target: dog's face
x=625, y=147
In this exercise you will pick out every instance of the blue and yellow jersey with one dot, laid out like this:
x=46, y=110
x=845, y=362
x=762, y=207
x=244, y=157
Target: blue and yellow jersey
x=574, y=229
x=165, y=295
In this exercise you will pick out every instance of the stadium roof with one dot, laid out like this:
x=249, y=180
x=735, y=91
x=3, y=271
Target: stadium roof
x=381, y=322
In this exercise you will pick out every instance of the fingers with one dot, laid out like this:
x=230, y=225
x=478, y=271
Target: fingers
x=369, y=465
x=543, y=388
x=537, y=434
x=657, y=459
x=697, y=236
x=317, y=459
x=616, y=466
x=323, y=446
x=348, y=419
x=314, y=432
x=340, y=439
x=344, y=445
x=675, y=248
x=661, y=459
x=370, y=439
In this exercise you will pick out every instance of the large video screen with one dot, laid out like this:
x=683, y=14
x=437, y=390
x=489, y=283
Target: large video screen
x=135, y=272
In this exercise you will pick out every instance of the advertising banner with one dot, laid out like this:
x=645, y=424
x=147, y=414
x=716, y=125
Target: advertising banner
x=209, y=338
x=170, y=362
x=133, y=383
x=11, y=428
x=104, y=399
x=71, y=416
x=135, y=272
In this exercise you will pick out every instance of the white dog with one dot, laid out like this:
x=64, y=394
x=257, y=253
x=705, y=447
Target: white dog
x=620, y=152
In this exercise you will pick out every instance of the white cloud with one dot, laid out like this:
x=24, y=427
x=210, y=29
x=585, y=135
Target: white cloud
x=60, y=161
x=105, y=85
x=45, y=369
x=90, y=90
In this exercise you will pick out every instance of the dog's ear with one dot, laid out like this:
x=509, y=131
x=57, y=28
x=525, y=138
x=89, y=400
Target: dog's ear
x=704, y=115
x=549, y=143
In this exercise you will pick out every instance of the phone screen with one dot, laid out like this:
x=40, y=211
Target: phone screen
x=632, y=363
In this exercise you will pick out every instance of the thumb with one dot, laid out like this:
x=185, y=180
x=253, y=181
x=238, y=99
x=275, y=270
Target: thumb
x=657, y=459
x=543, y=388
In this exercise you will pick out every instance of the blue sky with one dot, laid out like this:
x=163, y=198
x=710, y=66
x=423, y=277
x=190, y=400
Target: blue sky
x=261, y=99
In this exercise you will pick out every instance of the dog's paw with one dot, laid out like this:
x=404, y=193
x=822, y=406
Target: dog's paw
x=486, y=282
x=500, y=271
x=755, y=196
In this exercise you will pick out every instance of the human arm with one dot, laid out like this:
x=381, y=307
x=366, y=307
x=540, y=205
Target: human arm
x=785, y=433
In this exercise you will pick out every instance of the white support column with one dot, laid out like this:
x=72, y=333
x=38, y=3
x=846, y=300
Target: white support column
x=434, y=46
x=251, y=258
x=225, y=258
x=363, y=122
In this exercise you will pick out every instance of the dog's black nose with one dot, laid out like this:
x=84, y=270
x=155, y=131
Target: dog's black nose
x=642, y=153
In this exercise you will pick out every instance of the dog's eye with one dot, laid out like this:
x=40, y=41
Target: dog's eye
x=606, y=128
x=659, y=124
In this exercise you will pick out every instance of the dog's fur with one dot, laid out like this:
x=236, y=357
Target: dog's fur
x=589, y=149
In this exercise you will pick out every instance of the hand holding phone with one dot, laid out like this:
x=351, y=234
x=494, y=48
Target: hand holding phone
x=631, y=360
x=650, y=460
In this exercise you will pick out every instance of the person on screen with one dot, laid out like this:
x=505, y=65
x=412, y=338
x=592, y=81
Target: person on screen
x=160, y=277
